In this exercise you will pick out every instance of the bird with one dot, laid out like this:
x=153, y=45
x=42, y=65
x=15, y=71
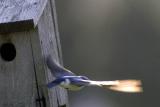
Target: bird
x=70, y=81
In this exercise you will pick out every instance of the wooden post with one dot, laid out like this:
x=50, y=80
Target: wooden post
x=28, y=33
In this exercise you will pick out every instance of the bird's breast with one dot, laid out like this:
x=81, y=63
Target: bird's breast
x=68, y=85
x=72, y=87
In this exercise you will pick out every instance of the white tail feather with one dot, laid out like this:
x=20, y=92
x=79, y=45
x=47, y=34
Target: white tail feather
x=130, y=86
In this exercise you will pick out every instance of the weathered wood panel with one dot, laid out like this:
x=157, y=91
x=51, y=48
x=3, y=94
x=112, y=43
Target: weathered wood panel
x=19, y=11
x=16, y=10
x=23, y=80
x=17, y=77
x=49, y=45
x=61, y=93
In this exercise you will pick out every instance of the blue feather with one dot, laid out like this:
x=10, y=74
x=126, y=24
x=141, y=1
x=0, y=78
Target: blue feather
x=55, y=82
x=56, y=69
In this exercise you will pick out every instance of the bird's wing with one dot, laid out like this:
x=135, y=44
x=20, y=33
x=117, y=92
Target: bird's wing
x=56, y=69
x=55, y=82
x=78, y=80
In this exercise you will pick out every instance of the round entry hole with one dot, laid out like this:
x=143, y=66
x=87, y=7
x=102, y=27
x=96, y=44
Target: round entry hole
x=8, y=51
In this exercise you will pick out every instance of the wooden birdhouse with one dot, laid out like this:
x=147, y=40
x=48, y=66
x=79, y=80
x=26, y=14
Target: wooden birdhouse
x=28, y=33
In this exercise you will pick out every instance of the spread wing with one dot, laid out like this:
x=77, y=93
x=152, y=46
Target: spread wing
x=56, y=69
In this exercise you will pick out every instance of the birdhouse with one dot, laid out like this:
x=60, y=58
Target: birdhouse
x=28, y=33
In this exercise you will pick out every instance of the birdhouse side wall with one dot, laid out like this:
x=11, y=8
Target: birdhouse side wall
x=48, y=40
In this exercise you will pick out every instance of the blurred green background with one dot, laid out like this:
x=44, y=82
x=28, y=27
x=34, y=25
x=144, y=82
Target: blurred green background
x=108, y=40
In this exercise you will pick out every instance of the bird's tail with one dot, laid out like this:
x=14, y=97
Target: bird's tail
x=130, y=86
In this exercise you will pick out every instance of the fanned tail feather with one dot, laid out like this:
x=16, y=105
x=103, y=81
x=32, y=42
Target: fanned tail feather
x=130, y=86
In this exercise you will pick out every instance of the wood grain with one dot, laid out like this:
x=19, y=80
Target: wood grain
x=23, y=80
x=17, y=79
x=16, y=10
x=13, y=14
x=48, y=39
x=61, y=93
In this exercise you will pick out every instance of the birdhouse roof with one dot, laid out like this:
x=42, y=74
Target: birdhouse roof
x=18, y=15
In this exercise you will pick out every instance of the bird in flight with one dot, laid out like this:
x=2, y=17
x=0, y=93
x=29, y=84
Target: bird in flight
x=68, y=80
